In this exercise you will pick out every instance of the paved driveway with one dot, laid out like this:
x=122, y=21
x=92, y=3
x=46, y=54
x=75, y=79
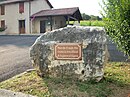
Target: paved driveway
x=14, y=54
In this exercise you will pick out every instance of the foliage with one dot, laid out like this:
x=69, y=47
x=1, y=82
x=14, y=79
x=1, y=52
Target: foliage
x=117, y=22
x=116, y=83
x=86, y=17
x=92, y=23
x=89, y=23
x=90, y=17
x=2, y=29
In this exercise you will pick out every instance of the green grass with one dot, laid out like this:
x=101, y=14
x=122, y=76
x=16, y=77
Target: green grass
x=28, y=83
x=116, y=83
x=90, y=23
x=118, y=73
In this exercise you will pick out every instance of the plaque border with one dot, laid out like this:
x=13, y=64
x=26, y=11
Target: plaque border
x=80, y=50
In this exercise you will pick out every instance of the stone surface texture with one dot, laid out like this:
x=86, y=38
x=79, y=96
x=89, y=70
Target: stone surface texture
x=94, y=53
x=8, y=93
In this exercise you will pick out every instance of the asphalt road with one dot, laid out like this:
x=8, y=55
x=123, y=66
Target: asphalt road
x=14, y=54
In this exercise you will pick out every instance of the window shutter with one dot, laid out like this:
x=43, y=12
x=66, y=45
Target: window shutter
x=2, y=23
x=2, y=10
x=21, y=7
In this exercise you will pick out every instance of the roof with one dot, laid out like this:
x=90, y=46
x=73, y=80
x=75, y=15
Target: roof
x=73, y=12
x=56, y=12
x=17, y=1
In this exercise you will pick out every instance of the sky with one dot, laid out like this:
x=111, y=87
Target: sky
x=90, y=7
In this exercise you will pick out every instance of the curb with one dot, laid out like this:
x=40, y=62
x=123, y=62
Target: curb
x=8, y=93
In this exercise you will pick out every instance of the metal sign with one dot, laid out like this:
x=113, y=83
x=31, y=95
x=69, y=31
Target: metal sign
x=68, y=51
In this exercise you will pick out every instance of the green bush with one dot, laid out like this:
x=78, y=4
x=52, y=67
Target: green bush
x=117, y=22
x=2, y=29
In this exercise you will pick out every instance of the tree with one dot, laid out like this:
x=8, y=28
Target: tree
x=90, y=17
x=93, y=17
x=85, y=17
x=98, y=18
x=117, y=22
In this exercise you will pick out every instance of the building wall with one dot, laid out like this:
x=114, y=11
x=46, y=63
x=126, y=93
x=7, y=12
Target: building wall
x=41, y=5
x=57, y=22
x=36, y=24
x=12, y=15
x=38, y=5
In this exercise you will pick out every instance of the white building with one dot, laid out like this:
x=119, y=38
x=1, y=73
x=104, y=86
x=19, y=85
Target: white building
x=34, y=16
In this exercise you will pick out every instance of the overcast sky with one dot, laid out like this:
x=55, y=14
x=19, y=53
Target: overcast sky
x=90, y=7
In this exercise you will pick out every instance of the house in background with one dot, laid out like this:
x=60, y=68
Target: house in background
x=34, y=16
x=47, y=20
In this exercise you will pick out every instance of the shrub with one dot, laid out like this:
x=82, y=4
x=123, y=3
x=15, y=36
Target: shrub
x=117, y=22
x=2, y=29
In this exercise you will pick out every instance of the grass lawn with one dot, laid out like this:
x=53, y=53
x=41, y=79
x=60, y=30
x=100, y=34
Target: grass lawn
x=116, y=83
x=90, y=23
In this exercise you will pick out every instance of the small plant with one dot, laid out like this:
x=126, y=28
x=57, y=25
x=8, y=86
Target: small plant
x=2, y=29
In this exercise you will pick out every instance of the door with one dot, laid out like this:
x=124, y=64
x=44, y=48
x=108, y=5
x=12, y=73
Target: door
x=42, y=26
x=21, y=26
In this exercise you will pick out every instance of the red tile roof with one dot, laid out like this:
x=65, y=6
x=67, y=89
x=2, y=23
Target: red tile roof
x=56, y=12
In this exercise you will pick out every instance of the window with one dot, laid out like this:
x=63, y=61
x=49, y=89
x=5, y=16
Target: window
x=2, y=23
x=2, y=10
x=21, y=7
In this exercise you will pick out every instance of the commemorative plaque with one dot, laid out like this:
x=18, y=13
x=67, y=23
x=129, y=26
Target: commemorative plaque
x=68, y=51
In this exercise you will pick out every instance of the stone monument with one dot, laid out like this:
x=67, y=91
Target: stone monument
x=74, y=51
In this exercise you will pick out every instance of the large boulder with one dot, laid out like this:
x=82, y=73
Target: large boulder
x=74, y=51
